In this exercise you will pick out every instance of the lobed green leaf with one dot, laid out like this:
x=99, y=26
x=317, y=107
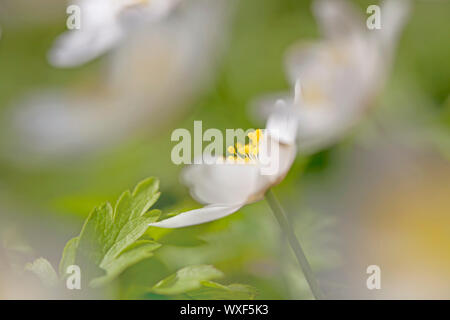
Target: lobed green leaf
x=186, y=279
x=44, y=271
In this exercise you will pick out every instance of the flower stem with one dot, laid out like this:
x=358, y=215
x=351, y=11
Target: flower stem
x=287, y=229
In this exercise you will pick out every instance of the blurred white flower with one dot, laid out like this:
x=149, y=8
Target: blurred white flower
x=341, y=74
x=102, y=28
x=156, y=72
x=230, y=183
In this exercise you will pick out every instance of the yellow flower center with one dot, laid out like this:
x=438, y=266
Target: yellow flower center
x=313, y=94
x=246, y=153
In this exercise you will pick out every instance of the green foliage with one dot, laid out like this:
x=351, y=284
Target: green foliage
x=137, y=252
x=44, y=271
x=109, y=240
x=183, y=237
x=186, y=279
x=215, y=291
x=109, y=236
x=194, y=282
x=68, y=256
x=112, y=240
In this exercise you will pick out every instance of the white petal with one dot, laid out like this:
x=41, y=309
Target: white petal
x=288, y=153
x=197, y=216
x=336, y=77
x=99, y=31
x=151, y=11
x=304, y=60
x=61, y=123
x=338, y=18
x=169, y=61
x=262, y=107
x=281, y=162
x=395, y=14
x=298, y=94
x=56, y=122
x=75, y=48
x=311, y=141
x=283, y=123
x=221, y=183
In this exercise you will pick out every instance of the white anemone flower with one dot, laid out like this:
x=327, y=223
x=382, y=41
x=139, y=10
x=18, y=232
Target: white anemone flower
x=341, y=74
x=148, y=81
x=227, y=184
x=102, y=28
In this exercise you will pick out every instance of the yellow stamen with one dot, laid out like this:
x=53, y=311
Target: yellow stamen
x=258, y=134
x=246, y=153
x=240, y=148
x=254, y=150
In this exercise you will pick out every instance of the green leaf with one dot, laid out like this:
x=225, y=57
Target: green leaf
x=68, y=256
x=44, y=270
x=108, y=239
x=138, y=251
x=194, y=282
x=186, y=237
x=216, y=291
x=186, y=279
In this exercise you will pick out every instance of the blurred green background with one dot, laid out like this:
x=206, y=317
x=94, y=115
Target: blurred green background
x=43, y=204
